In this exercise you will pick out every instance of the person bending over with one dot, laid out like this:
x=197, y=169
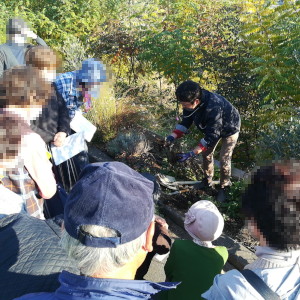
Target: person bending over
x=218, y=120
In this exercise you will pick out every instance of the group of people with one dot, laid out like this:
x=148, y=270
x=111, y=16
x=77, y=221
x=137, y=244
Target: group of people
x=108, y=227
x=45, y=104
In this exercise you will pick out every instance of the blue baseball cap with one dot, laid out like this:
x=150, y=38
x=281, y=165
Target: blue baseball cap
x=112, y=195
x=92, y=71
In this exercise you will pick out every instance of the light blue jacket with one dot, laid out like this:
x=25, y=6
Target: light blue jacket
x=283, y=278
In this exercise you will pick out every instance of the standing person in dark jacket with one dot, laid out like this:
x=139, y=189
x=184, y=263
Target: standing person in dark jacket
x=53, y=124
x=218, y=119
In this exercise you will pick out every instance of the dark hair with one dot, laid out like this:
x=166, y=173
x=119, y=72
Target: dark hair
x=15, y=26
x=272, y=200
x=188, y=91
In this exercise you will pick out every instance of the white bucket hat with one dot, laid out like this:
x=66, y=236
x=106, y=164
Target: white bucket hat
x=203, y=221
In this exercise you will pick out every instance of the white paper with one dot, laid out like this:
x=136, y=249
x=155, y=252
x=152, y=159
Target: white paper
x=80, y=124
x=72, y=146
x=161, y=257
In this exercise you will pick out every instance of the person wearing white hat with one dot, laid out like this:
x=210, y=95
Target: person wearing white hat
x=196, y=262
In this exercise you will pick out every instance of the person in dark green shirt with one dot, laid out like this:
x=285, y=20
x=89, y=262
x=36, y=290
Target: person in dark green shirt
x=196, y=262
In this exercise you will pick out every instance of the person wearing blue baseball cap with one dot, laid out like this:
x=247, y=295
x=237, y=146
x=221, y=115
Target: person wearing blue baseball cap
x=77, y=88
x=108, y=231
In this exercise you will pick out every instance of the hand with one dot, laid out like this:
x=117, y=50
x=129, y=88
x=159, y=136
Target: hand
x=169, y=140
x=59, y=139
x=185, y=156
x=161, y=221
x=29, y=33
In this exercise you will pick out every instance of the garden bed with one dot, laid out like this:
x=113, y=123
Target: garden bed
x=161, y=160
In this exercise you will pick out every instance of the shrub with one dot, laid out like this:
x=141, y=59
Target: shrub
x=128, y=144
x=74, y=53
x=279, y=142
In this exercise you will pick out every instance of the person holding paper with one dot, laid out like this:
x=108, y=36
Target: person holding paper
x=77, y=88
x=53, y=124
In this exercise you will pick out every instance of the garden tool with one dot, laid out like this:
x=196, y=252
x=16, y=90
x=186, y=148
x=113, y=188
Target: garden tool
x=178, y=192
x=171, y=183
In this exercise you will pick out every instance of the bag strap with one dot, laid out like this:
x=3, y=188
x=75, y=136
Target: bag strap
x=259, y=285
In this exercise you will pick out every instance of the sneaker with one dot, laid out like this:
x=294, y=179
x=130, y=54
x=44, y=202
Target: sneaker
x=205, y=183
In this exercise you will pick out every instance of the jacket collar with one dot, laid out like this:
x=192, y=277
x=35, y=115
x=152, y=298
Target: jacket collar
x=81, y=287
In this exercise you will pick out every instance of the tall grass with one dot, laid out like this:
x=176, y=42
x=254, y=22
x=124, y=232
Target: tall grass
x=104, y=112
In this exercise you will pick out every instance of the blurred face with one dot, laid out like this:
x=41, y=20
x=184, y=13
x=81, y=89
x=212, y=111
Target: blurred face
x=48, y=75
x=19, y=39
x=92, y=89
x=190, y=105
x=255, y=232
x=16, y=160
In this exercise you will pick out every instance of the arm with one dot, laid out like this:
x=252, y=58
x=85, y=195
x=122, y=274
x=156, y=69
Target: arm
x=183, y=126
x=38, y=165
x=40, y=41
x=29, y=33
x=231, y=286
x=63, y=116
x=47, y=138
x=63, y=122
x=2, y=62
x=213, y=128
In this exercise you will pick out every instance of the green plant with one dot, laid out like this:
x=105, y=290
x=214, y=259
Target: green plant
x=128, y=144
x=279, y=142
x=169, y=53
x=74, y=52
x=104, y=112
x=272, y=35
x=231, y=208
